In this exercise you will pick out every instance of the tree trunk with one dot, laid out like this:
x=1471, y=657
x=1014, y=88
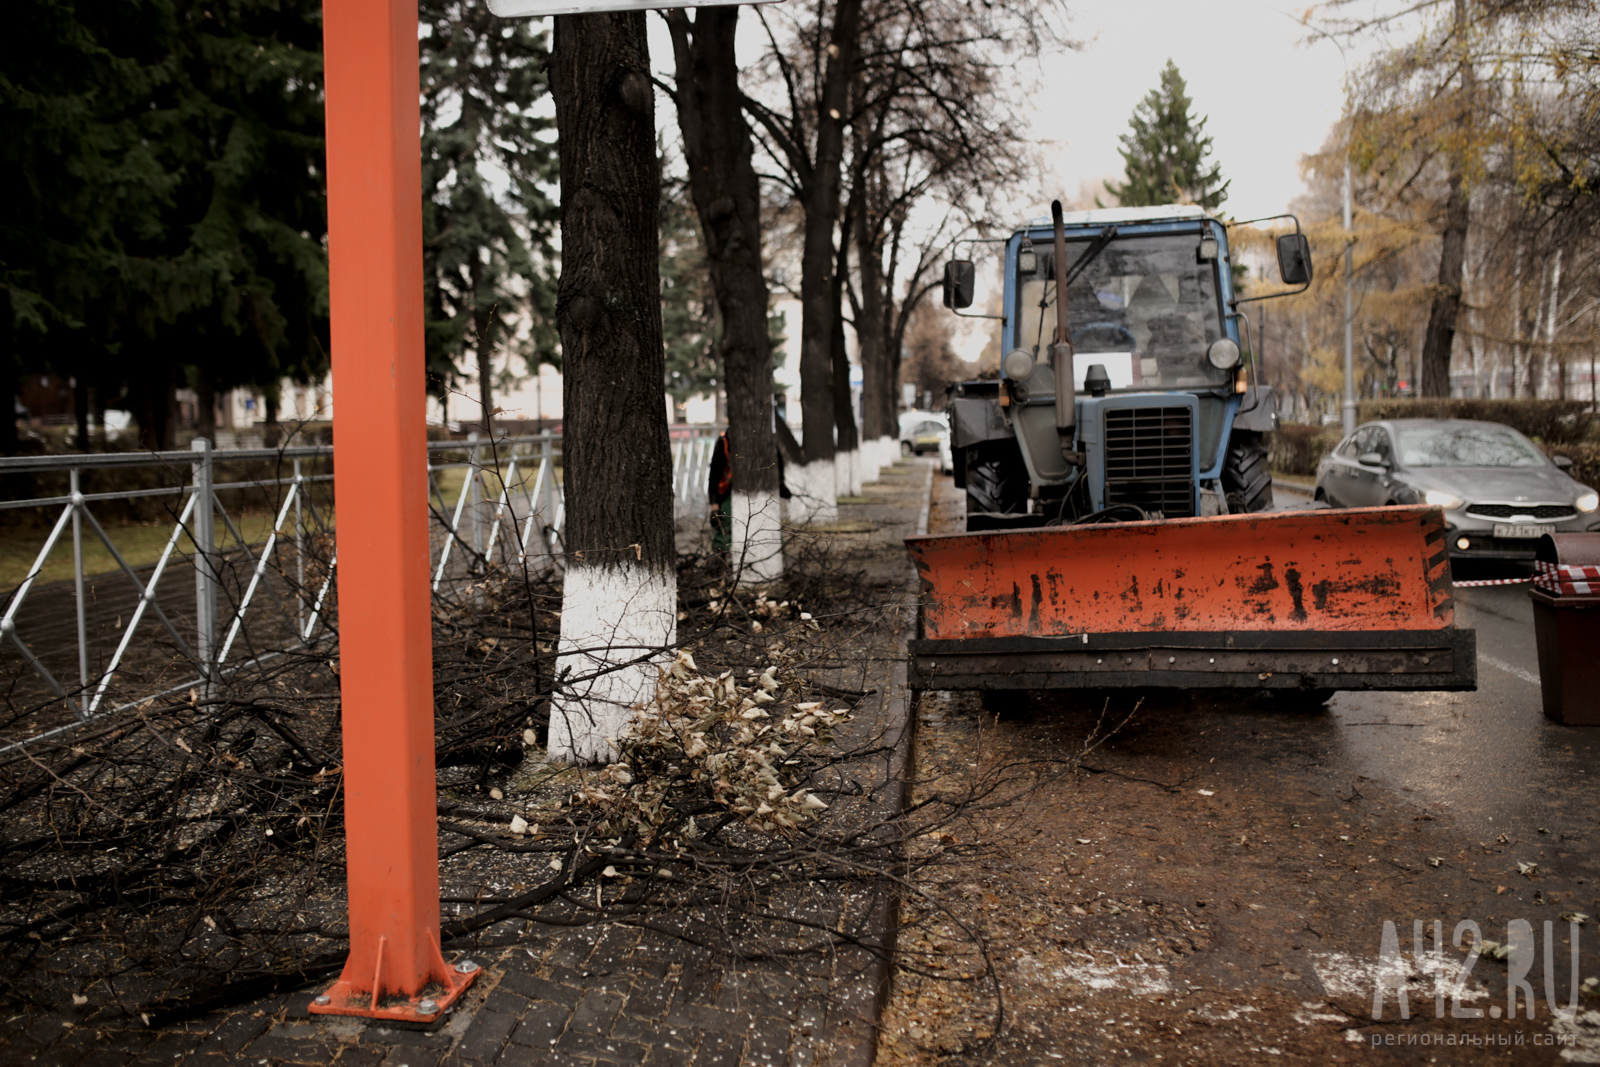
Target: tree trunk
x=619, y=602
x=1516, y=319
x=877, y=426
x=484, y=321
x=1550, y=353
x=80, y=411
x=718, y=150
x=155, y=407
x=1440, y=338
x=847, y=442
x=10, y=377
x=205, y=406
x=1439, y=341
x=819, y=296
x=269, y=408
x=97, y=403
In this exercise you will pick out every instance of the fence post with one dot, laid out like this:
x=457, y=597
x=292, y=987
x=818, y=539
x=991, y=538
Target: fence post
x=395, y=969
x=77, y=579
x=299, y=549
x=203, y=532
x=547, y=508
x=474, y=536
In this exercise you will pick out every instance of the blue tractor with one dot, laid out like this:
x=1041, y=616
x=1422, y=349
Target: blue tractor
x=1138, y=402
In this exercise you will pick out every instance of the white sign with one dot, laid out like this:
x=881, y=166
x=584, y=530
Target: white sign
x=514, y=9
x=1118, y=365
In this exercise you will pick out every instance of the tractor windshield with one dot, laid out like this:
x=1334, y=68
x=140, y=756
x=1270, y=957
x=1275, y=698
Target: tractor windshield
x=1144, y=307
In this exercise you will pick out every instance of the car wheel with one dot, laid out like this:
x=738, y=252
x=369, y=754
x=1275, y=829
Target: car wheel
x=906, y=449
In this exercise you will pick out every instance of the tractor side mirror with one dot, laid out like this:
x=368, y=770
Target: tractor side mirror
x=959, y=278
x=1294, y=259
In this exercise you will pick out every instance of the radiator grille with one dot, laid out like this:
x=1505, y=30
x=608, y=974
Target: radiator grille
x=1150, y=459
x=1538, y=511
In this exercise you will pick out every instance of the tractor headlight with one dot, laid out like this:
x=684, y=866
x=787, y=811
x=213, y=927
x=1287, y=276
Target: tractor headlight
x=1587, y=502
x=1018, y=365
x=1448, y=501
x=1223, y=354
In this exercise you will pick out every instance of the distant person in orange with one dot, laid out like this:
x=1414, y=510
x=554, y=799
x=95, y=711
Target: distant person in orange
x=720, y=490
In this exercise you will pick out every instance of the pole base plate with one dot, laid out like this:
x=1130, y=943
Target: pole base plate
x=344, y=998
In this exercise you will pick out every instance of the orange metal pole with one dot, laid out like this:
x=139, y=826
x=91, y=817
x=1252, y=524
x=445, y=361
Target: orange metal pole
x=395, y=969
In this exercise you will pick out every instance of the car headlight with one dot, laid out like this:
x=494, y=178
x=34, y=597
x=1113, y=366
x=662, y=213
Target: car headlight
x=1438, y=499
x=1587, y=502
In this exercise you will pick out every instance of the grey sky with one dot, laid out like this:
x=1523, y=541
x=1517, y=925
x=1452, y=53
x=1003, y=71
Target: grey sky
x=1270, y=96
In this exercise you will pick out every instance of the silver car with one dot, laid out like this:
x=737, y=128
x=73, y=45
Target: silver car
x=1499, y=492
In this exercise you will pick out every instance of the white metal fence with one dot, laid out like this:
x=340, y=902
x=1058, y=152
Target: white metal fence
x=254, y=599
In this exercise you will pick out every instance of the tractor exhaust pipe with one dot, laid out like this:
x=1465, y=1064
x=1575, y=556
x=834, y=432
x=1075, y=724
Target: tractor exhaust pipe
x=1061, y=345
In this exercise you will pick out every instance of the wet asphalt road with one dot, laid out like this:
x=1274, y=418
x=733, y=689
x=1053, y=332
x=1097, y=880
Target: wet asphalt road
x=1214, y=887
x=1490, y=758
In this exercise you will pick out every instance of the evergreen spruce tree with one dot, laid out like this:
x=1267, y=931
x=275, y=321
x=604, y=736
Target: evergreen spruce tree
x=688, y=306
x=162, y=176
x=1165, y=153
x=488, y=168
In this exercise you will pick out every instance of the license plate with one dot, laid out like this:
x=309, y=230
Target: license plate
x=1518, y=529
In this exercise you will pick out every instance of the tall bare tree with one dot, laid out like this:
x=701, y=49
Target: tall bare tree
x=933, y=134
x=619, y=600
x=727, y=198
x=916, y=85
x=805, y=134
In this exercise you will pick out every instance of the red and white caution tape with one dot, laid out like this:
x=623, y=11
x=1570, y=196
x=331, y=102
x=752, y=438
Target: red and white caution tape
x=1574, y=579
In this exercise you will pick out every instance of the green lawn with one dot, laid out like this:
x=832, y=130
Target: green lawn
x=449, y=481
x=143, y=543
x=137, y=543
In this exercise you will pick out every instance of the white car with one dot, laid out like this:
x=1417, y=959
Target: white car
x=922, y=432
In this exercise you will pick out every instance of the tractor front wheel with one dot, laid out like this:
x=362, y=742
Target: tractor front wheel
x=1247, y=473
x=996, y=481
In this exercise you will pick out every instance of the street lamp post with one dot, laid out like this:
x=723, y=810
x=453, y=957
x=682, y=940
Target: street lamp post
x=1349, y=313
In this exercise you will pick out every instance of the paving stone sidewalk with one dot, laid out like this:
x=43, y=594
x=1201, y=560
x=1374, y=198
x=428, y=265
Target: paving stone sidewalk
x=597, y=994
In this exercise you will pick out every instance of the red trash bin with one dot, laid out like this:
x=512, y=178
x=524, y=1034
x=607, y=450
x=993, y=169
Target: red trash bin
x=1566, y=626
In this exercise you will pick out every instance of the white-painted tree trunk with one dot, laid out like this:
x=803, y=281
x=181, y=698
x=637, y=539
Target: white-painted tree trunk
x=813, y=495
x=757, y=554
x=867, y=462
x=610, y=618
x=888, y=451
x=872, y=460
x=847, y=476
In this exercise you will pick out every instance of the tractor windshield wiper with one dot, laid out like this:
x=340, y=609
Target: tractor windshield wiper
x=1096, y=246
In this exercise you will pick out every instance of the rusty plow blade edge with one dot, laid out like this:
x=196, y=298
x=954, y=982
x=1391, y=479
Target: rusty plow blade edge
x=1355, y=599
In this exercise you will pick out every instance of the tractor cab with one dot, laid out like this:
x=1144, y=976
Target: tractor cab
x=1166, y=414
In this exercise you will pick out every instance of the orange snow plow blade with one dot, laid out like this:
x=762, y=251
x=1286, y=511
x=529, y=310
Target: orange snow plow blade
x=1310, y=599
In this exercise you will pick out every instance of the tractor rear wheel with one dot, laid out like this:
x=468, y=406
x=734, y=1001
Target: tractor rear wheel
x=1247, y=473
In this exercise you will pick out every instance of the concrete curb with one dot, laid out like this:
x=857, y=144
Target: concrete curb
x=860, y=1047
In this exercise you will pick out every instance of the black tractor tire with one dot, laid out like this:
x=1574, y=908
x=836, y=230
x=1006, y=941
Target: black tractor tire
x=1004, y=703
x=1307, y=701
x=996, y=481
x=1247, y=473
